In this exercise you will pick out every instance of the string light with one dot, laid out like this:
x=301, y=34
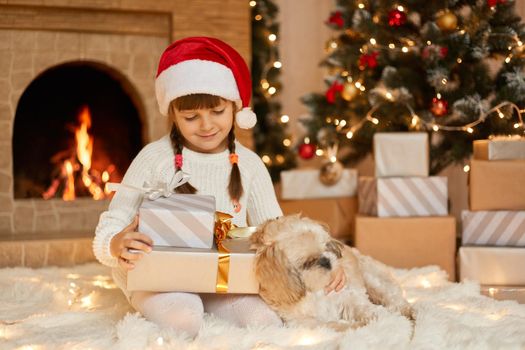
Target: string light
x=404, y=49
x=272, y=90
x=287, y=142
x=277, y=64
x=272, y=37
x=361, y=5
x=258, y=17
x=414, y=120
x=466, y=168
x=349, y=134
x=266, y=159
x=373, y=41
x=319, y=152
x=375, y=121
x=306, y=140
x=253, y=3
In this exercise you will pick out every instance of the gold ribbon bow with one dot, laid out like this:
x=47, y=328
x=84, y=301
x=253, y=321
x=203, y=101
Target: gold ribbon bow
x=224, y=228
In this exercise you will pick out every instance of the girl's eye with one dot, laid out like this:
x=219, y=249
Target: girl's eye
x=190, y=118
x=219, y=111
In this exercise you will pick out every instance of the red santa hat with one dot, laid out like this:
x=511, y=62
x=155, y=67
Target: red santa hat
x=203, y=65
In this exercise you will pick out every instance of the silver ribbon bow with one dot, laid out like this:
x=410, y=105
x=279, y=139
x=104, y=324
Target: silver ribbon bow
x=157, y=190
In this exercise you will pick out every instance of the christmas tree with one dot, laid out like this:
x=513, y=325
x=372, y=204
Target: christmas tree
x=452, y=68
x=271, y=141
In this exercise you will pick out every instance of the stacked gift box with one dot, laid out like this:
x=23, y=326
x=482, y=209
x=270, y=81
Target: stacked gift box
x=184, y=257
x=303, y=192
x=493, y=239
x=403, y=216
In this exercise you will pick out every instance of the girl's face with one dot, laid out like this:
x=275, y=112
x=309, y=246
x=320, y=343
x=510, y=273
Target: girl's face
x=206, y=129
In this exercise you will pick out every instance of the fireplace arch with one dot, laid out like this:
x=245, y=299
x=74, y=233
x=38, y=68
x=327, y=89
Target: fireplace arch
x=48, y=116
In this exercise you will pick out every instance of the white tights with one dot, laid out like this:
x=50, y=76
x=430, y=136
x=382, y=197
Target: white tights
x=185, y=311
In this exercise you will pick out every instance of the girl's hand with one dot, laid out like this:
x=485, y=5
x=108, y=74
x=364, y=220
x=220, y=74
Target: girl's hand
x=127, y=239
x=338, y=281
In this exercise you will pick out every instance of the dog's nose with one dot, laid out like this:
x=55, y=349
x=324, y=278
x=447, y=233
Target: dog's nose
x=325, y=262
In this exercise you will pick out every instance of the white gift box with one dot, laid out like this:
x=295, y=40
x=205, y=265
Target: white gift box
x=305, y=184
x=180, y=220
x=492, y=265
x=499, y=149
x=403, y=196
x=401, y=154
x=499, y=228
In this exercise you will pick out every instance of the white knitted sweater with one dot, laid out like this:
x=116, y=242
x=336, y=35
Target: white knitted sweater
x=209, y=174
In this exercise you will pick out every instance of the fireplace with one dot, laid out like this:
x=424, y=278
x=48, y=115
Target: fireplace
x=77, y=127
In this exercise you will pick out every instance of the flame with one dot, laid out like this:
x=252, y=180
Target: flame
x=69, y=192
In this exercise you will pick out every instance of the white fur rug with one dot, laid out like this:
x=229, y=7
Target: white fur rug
x=79, y=308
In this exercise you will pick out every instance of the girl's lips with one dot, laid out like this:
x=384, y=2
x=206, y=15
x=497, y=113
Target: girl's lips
x=208, y=136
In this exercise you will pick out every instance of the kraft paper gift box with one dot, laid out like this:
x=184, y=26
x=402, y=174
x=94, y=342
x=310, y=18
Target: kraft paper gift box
x=499, y=149
x=403, y=196
x=497, y=185
x=516, y=293
x=169, y=269
x=305, y=184
x=180, y=220
x=496, y=228
x=492, y=265
x=401, y=154
x=338, y=213
x=409, y=242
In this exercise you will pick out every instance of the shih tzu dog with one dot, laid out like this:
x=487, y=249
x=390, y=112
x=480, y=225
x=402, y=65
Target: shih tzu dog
x=294, y=261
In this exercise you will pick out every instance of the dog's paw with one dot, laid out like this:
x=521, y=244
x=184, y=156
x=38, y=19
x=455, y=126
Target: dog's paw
x=339, y=326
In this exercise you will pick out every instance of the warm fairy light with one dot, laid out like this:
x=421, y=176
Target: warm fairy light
x=333, y=159
x=307, y=140
x=258, y=17
x=392, y=45
x=272, y=90
x=414, y=120
x=517, y=125
x=404, y=49
x=336, y=122
x=287, y=142
x=279, y=158
x=319, y=152
x=333, y=44
x=105, y=176
x=435, y=127
x=344, y=73
x=389, y=96
x=501, y=115
x=349, y=135
x=375, y=121
x=462, y=31
x=507, y=60
x=266, y=159
x=362, y=88
x=411, y=43
x=444, y=81
x=429, y=42
x=277, y=64
x=519, y=43
x=361, y=5
x=373, y=41
x=264, y=83
x=470, y=130
x=459, y=60
x=509, y=48
x=328, y=120
x=438, y=95
x=400, y=8
x=357, y=84
x=285, y=118
x=253, y=3
x=342, y=123
x=272, y=37
x=466, y=168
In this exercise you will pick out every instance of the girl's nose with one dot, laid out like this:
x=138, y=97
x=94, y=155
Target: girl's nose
x=206, y=123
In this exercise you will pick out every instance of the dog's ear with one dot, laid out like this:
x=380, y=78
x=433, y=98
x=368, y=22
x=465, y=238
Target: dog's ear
x=280, y=282
x=335, y=247
x=257, y=238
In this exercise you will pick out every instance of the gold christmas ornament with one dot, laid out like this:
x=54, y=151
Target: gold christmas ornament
x=331, y=173
x=447, y=21
x=349, y=91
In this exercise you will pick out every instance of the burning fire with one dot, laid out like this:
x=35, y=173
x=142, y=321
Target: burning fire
x=79, y=164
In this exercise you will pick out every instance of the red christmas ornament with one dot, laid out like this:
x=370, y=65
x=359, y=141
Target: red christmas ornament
x=439, y=107
x=332, y=91
x=306, y=151
x=396, y=18
x=443, y=51
x=433, y=51
x=492, y=3
x=336, y=19
x=368, y=60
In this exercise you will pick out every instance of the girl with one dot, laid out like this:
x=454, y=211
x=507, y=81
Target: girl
x=201, y=85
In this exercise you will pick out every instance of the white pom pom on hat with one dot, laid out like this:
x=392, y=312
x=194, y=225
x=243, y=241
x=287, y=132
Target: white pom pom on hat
x=204, y=65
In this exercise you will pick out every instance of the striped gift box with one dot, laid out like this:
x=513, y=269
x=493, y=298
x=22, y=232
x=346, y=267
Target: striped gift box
x=403, y=196
x=499, y=228
x=181, y=220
